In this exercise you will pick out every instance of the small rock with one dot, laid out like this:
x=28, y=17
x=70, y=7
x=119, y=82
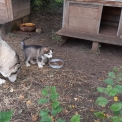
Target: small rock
x=39, y=31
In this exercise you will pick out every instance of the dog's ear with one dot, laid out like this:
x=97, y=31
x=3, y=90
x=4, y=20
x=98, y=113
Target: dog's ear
x=17, y=66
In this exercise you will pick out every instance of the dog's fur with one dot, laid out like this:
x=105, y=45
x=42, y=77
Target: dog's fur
x=36, y=54
x=9, y=62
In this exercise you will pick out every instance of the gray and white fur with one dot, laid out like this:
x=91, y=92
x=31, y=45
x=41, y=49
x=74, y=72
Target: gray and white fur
x=36, y=54
x=9, y=62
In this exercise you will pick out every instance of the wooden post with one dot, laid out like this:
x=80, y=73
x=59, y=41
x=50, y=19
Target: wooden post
x=63, y=40
x=95, y=46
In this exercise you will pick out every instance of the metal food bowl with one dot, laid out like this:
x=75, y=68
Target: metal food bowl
x=27, y=27
x=56, y=63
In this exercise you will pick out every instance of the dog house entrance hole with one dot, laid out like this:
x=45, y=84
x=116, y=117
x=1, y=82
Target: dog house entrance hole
x=110, y=20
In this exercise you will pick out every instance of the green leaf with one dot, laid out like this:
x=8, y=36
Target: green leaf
x=119, y=79
x=5, y=116
x=102, y=90
x=100, y=115
x=101, y=101
x=119, y=87
x=61, y=120
x=45, y=91
x=116, y=113
x=109, y=87
x=112, y=75
x=44, y=112
x=53, y=90
x=43, y=101
x=116, y=106
x=113, y=92
x=116, y=119
x=75, y=118
x=55, y=104
x=115, y=69
x=54, y=96
x=56, y=110
x=120, y=74
x=46, y=119
x=120, y=112
x=109, y=81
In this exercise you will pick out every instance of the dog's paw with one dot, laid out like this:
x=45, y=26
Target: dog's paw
x=32, y=62
x=40, y=65
x=27, y=64
x=2, y=81
x=43, y=63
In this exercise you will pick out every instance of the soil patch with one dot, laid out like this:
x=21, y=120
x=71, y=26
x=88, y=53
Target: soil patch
x=82, y=72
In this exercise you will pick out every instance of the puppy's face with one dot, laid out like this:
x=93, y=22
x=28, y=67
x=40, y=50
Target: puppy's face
x=48, y=53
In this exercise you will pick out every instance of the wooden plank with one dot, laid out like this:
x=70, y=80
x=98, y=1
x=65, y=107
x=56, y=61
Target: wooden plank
x=108, y=30
x=99, y=2
x=20, y=8
x=95, y=46
x=85, y=18
x=63, y=40
x=85, y=11
x=3, y=13
x=2, y=1
x=3, y=21
x=83, y=24
x=119, y=33
x=65, y=14
x=92, y=37
x=100, y=16
x=2, y=6
x=21, y=14
x=9, y=9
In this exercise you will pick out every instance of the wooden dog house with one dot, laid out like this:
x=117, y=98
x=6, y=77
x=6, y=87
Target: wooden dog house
x=13, y=9
x=95, y=20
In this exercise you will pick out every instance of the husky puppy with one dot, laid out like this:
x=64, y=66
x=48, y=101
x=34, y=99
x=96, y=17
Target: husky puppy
x=9, y=62
x=36, y=54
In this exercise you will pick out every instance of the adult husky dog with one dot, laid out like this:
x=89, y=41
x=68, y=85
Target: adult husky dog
x=9, y=62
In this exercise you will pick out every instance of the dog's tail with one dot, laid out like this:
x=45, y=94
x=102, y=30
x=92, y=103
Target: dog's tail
x=22, y=45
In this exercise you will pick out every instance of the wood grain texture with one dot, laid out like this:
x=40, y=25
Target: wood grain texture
x=84, y=18
x=98, y=21
x=109, y=39
x=2, y=1
x=21, y=8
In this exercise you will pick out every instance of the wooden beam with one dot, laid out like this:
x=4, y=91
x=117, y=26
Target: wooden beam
x=95, y=46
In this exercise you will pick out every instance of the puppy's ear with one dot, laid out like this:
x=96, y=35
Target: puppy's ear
x=45, y=49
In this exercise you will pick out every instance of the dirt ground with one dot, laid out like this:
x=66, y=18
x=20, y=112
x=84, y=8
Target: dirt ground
x=82, y=72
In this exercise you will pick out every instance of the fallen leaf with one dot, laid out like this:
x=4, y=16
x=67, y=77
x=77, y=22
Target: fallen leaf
x=5, y=86
x=21, y=97
x=96, y=121
x=52, y=118
x=11, y=90
x=116, y=99
x=35, y=117
x=92, y=110
x=90, y=100
x=75, y=99
x=73, y=106
x=76, y=112
x=66, y=111
x=28, y=102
